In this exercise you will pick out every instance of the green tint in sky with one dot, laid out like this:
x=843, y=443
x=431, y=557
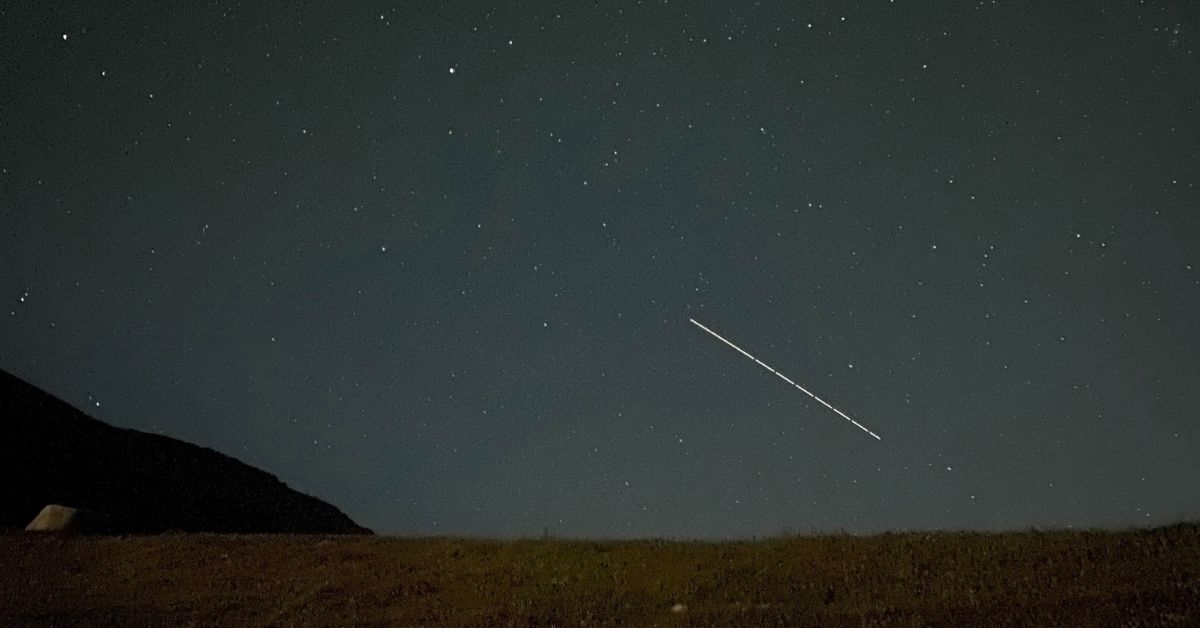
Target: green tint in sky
x=435, y=263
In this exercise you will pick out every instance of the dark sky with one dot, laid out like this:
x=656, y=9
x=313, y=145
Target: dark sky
x=435, y=264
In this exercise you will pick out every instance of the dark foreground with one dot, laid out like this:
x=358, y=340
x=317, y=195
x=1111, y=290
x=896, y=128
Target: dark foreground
x=1143, y=578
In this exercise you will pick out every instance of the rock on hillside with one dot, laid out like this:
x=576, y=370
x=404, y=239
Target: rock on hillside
x=51, y=453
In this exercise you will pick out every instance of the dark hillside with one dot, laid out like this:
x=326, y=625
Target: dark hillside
x=52, y=453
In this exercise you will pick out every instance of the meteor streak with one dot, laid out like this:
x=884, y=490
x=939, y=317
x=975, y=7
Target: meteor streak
x=784, y=378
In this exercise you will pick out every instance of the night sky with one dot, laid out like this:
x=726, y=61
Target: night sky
x=436, y=264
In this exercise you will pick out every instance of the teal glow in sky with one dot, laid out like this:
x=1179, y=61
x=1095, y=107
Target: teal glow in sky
x=436, y=263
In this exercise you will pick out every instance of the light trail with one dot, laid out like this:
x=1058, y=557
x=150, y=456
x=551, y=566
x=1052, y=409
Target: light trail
x=784, y=378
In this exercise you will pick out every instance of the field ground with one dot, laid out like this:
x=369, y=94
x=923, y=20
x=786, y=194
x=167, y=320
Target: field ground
x=1136, y=578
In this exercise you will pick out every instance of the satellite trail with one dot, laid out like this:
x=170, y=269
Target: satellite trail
x=784, y=378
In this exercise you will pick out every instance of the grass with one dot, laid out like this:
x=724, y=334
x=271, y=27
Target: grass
x=1139, y=578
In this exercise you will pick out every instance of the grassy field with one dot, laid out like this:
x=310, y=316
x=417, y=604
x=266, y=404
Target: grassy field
x=1138, y=578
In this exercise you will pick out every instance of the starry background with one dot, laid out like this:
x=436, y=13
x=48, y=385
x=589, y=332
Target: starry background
x=435, y=263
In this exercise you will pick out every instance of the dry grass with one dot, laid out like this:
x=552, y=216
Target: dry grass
x=1146, y=578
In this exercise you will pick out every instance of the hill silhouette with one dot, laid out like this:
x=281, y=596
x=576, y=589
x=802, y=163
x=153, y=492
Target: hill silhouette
x=51, y=453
